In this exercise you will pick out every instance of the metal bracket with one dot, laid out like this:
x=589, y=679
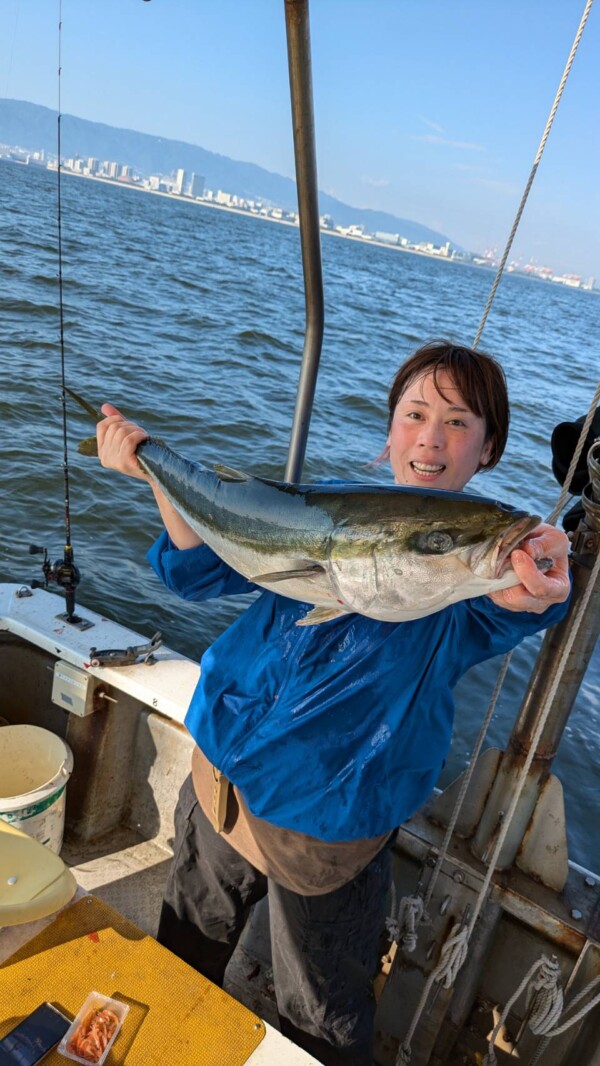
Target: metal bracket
x=77, y=623
x=585, y=541
x=126, y=656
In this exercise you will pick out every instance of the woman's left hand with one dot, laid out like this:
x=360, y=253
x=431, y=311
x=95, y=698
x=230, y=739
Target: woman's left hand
x=538, y=589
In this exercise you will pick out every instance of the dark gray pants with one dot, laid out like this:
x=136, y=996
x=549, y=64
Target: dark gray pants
x=325, y=948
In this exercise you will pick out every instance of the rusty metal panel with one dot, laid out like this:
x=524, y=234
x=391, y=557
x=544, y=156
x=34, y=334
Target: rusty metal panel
x=521, y=921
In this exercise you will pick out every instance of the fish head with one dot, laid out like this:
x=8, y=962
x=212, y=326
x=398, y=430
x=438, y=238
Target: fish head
x=437, y=550
x=490, y=559
x=479, y=540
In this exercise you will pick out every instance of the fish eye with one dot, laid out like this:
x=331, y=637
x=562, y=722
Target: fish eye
x=436, y=542
x=439, y=542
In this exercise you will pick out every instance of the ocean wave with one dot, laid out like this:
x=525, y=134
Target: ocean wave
x=197, y=332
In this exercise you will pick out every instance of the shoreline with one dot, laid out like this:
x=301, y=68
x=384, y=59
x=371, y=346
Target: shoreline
x=329, y=233
x=251, y=214
x=295, y=225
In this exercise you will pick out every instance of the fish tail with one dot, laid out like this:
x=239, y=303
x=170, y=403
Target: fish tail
x=87, y=407
x=89, y=446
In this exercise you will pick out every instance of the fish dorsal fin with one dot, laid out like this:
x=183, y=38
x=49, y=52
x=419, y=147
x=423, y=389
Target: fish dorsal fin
x=321, y=614
x=310, y=570
x=228, y=473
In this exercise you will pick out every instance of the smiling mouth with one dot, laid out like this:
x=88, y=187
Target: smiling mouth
x=428, y=469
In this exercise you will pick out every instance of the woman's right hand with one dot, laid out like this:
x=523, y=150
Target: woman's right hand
x=117, y=442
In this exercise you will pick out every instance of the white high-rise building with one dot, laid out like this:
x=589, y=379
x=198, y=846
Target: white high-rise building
x=179, y=182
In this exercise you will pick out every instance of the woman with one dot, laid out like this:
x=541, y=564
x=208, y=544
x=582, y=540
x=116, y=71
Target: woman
x=314, y=743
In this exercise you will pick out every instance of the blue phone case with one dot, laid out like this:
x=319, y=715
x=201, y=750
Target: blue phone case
x=34, y=1037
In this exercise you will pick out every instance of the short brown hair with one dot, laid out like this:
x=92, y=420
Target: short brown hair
x=478, y=377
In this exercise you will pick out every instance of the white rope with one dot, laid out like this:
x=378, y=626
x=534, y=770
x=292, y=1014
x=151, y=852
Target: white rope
x=544, y=1002
x=467, y=777
x=580, y=1013
x=544, y=1007
x=533, y=172
x=552, y=517
x=570, y=1021
x=452, y=956
x=576, y=622
x=545, y=998
x=404, y=1053
x=403, y=927
x=579, y=612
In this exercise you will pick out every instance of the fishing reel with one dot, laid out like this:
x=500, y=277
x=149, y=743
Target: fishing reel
x=63, y=573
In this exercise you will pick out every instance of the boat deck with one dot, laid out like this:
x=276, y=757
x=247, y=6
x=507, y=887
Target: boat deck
x=131, y=753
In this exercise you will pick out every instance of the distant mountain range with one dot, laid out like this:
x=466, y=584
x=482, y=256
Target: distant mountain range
x=33, y=127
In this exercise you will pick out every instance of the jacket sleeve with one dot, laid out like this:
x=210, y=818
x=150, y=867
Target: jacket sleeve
x=195, y=573
x=486, y=629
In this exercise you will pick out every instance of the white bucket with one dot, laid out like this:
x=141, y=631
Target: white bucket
x=35, y=766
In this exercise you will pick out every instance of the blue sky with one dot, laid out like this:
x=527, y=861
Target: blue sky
x=431, y=109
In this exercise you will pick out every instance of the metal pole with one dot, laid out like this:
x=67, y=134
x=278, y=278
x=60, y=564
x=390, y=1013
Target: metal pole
x=298, y=41
x=586, y=548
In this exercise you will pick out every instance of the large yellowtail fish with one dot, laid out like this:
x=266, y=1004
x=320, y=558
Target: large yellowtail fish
x=393, y=553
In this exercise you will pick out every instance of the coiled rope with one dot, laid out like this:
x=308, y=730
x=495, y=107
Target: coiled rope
x=570, y=1021
x=452, y=956
x=544, y=1002
x=545, y=1007
x=402, y=926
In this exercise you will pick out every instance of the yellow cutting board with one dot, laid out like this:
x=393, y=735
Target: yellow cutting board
x=175, y=1017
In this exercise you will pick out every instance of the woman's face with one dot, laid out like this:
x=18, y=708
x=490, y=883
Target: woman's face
x=435, y=440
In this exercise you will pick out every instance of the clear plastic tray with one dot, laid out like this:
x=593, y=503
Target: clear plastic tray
x=94, y=1002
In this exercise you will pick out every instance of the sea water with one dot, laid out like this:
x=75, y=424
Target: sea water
x=191, y=320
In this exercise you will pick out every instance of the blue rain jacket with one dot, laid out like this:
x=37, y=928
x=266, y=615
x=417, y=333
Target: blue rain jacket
x=337, y=730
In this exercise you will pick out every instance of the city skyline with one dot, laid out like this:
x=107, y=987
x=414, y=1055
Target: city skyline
x=182, y=184
x=429, y=111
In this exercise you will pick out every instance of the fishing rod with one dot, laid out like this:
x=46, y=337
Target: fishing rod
x=63, y=572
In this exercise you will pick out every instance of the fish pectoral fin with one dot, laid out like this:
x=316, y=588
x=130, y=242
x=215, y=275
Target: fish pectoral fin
x=89, y=446
x=321, y=614
x=310, y=570
x=228, y=473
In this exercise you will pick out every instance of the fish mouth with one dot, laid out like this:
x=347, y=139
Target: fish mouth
x=510, y=540
x=490, y=559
